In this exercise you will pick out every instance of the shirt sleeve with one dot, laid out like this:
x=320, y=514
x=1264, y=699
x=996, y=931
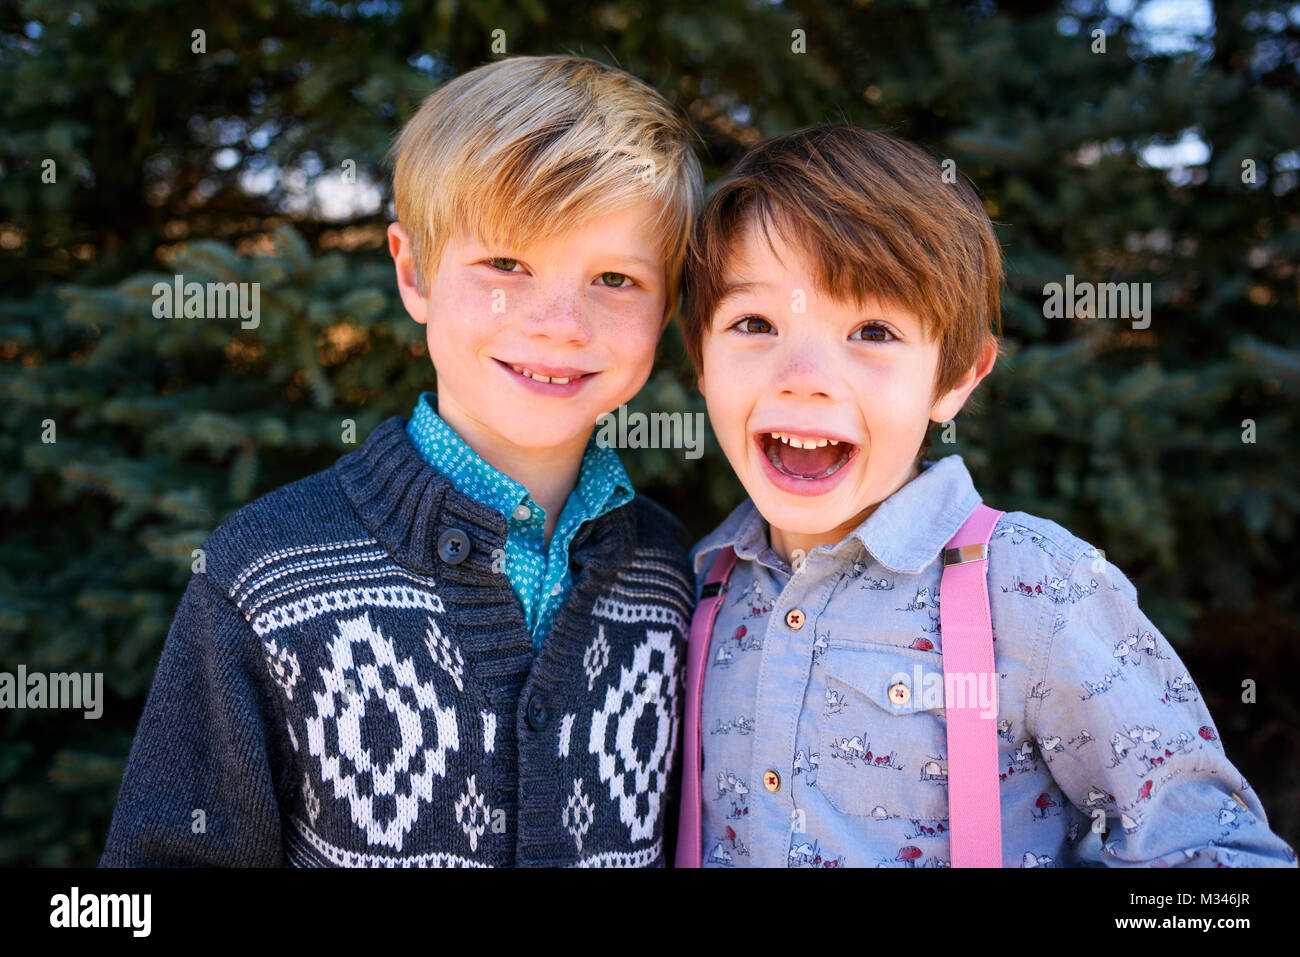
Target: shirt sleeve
x=1125, y=732
x=199, y=786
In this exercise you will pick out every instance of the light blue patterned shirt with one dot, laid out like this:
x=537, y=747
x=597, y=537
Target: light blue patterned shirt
x=1098, y=719
x=539, y=577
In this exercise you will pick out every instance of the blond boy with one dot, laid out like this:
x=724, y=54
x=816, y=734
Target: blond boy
x=462, y=644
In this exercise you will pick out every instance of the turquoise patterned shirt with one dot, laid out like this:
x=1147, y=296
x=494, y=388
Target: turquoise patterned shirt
x=541, y=580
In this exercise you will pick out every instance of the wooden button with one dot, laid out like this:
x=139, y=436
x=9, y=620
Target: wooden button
x=771, y=780
x=899, y=693
x=794, y=618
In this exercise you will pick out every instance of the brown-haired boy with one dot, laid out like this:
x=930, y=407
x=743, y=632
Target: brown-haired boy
x=841, y=293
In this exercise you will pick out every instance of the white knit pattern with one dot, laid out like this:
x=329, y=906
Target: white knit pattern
x=344, y=709
x=283, y=665
x=641, y=687
x=355, y=685
x=472, y=813
x=340, y=857
x=633, y=612
x=283, y=553
x=443, y=651
x=343, y=600
x=596, y=657
x=566, y=730
x=579, y=814
x=642, y=858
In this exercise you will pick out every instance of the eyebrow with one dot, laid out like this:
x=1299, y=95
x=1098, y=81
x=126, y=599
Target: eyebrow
x=651, y=264
x=733, y=289
x=639, y=260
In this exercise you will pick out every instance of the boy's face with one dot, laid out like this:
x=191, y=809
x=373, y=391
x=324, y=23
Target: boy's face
x=829, y=371
x=585, y=309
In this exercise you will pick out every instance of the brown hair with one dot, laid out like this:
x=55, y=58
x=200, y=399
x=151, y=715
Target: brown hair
x=530, y=146
x=877, y=217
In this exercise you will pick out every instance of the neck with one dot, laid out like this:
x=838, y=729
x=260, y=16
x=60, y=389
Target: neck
x=549, y=473
x=788, y=543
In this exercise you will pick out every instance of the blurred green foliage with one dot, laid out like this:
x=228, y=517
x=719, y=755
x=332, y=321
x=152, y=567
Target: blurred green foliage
x=169, y=161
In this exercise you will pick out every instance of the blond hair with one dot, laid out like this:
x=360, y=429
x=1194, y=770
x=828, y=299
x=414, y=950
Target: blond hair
x=531, y=146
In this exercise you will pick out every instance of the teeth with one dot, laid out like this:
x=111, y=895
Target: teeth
x=798, y=443
x=565, y=380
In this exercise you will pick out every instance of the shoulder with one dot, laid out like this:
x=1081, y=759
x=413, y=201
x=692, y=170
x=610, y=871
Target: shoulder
x=300, y=517
x=658, y=526
x=741, y=522
x=661, y=541
x=1034, y=550
x=656, y=560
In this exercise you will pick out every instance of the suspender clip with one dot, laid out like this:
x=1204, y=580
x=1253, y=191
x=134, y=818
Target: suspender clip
x=964, y=554
x=713, y=589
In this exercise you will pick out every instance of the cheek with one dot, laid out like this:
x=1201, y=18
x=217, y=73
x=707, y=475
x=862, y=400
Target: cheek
x=644, y=336
x=466, y=299
x=900, y=417
x=633, y=337
x=727, y=402
x=738, y=375
x=454, y=334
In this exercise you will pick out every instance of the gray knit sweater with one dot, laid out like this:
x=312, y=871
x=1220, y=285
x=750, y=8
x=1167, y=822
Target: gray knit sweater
x=351, y=683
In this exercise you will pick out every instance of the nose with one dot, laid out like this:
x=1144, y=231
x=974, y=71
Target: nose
x=804, y=369
x=559, y=313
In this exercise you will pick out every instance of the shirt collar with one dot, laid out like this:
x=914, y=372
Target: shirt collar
x=407, y=505
x=602, y=485
x=905, y=533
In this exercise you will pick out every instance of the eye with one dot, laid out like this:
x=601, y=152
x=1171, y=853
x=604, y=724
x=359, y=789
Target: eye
x=511, y=263
x=746, y=320
x=618, y=275
x=877, y=327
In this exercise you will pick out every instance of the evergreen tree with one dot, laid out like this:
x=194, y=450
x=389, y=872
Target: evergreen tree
x=134, y=149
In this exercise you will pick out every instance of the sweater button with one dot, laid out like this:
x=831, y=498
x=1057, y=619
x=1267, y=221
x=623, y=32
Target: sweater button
x=453, y=546
x=538, y=716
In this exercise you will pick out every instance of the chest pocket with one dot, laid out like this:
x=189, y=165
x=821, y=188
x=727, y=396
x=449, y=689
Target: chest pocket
x=881, y=732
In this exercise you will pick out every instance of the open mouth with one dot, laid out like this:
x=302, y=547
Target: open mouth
x=806, y=457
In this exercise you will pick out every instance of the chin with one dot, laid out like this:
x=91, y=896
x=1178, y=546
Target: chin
x=539, y=430
x=802, y=521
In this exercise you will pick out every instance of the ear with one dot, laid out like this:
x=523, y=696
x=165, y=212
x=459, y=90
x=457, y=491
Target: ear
x=950, y=404
x=399, y=247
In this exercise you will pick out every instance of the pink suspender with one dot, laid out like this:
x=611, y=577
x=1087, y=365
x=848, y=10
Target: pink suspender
x=966, y=632
x=697, y=650
x=974, y=809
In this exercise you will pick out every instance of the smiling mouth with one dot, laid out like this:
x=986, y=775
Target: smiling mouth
x=537, y=376
x=807, y=457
